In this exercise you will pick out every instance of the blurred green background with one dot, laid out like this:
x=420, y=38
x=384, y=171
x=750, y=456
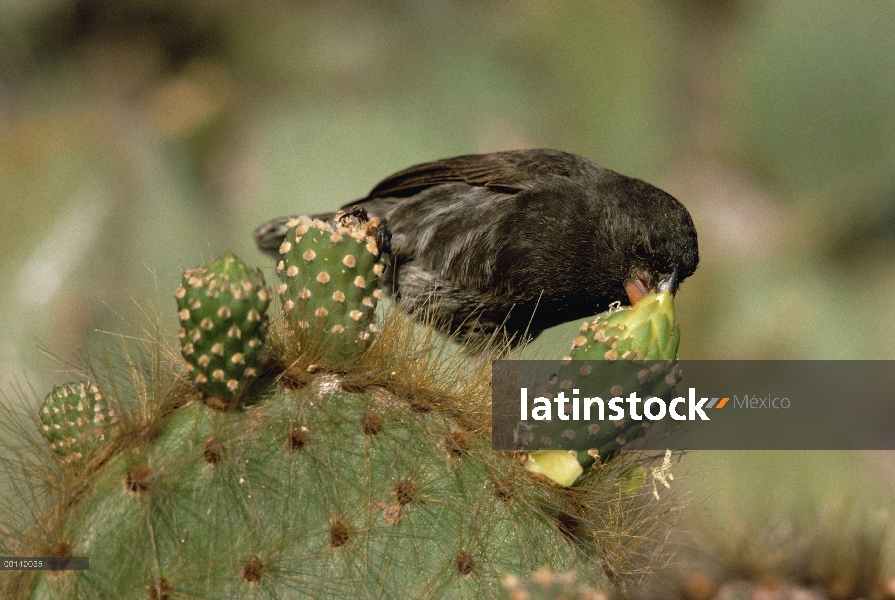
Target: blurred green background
x=142, y=137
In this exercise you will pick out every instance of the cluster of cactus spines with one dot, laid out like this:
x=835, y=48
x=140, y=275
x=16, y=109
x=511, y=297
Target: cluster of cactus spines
x=329, y=284
x=547, y=585
x=622, y=351
x=75, y=420
x=223, y=315
x=318, y=495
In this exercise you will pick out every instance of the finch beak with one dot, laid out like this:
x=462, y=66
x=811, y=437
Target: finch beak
x=670, y=283
x=639, y=286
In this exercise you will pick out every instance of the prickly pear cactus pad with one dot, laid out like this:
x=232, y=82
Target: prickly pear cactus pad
x=329, y=285
x=361, y=468
x=74, y=419
x=353, y=485
x=223, y=315
x=622, y=351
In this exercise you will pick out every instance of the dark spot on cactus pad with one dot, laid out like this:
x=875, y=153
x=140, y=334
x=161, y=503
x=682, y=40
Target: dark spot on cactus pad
x=149, y=431
x=137, y=479
x=569, y=525
x=503, y=489
x=160, y=590
x=404, y=492
x=60, y=549
x=371, y=423
x=216, y=403
x=298, y=437
x=214, y=452
x=420, y=402
x=465, y=563
x=457, y=443
x=253, y=570
x=338, y=532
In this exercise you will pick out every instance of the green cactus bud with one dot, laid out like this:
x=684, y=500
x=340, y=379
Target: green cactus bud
x=75, y=420
x=623, y=351
x=329, y=285
x=223, y=314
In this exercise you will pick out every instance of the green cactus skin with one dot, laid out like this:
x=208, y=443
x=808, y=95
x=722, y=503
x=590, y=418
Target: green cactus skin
x=373, y=482
x=645, y=331
x=316, y=493
x=75, y=420
x=329, y=285
x=546, y=585
x=223, y=315
x=619, y=352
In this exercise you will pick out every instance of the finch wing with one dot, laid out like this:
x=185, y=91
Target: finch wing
x=507, y=172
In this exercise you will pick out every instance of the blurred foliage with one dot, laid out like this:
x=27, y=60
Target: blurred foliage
x=142, y=137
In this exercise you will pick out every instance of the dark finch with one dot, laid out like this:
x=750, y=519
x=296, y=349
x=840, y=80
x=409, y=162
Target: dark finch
x=516, y=242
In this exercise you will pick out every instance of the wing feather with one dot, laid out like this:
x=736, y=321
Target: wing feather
x=508, y=172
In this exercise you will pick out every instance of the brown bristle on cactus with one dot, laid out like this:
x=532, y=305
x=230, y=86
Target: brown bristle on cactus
x=223, y=315
x=313, y=491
